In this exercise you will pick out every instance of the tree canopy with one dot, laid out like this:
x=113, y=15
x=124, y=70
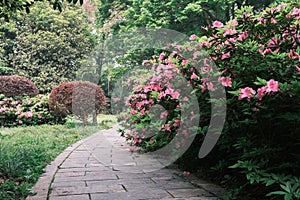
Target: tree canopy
x=8, y=7
x=180, y=15
x=46, y=45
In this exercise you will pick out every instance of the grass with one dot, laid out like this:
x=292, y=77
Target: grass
x=25, y=151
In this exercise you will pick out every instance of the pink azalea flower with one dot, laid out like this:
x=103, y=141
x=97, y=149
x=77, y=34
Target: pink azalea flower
x=20, y=122
x=39, y=116
x=163, y=114
x=230, y=40
x=131, y=149
x=234, y=22
x=161, y=56
x=298, y=69
x=273, y=20
x=169, y=91
x=293, y=54
x=264, y=52
x=205, y=69
x=195, y=55
x=194, y=76
x=261, y=92
x=179, y=105
x=166, y=127
x=184, y=62
x=272, y=86
x=177, y=122
x=28, y=114
x=210, y=86
x=246, y=92
x=229, y=32
x=272, y=10
x=296, y=12
x=151, y=141
x=145, y=62
x=263, y=21
x=217, y=24
x=187, y=99
x=225, y=55
x=132, y=112
x=193, y=37
x=288, y=16
x=226, y=82
x=186, y=173
x=137, y=140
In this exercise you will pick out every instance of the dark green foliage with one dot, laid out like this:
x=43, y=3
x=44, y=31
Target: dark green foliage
x=45, y=45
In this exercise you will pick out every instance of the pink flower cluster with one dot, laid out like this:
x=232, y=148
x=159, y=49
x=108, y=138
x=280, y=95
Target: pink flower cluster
x=271, y=87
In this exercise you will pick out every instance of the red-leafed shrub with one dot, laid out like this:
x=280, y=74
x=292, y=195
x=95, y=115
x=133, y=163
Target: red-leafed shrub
x=79, y=98
x=12, y=86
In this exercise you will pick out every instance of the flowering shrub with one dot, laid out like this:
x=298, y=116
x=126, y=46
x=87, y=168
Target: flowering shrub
x=12, y=86
x=257, y=60
x=25, y=111
x=79, y=98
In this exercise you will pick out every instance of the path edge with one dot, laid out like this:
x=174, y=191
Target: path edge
x=42, y=187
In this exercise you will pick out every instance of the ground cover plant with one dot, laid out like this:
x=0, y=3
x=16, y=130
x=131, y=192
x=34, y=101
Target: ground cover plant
x=25, y=151
x=257, y=60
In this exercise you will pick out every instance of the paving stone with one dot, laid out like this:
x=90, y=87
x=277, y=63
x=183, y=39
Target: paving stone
x=70, y=174
x=86, y=190
x=186, y=193
x=71, y=197
x=88, y=177
x=192, y=198
x=134, y=195
x=174, y=184
x=56, y=184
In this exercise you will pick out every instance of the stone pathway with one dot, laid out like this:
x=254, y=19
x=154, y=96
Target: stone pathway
x=101, y=167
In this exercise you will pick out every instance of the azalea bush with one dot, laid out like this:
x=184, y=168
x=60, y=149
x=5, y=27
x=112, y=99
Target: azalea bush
x=256, y=59
x=25, y=111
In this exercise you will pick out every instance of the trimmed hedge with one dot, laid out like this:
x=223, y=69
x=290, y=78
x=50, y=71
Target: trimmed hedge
x=80, y=98
x=12, y=86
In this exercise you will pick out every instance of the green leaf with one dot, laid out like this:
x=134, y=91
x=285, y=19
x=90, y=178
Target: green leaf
x=235, y=93
x=276, y=193
x=261, y=81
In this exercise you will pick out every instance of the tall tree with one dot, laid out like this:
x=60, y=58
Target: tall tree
x=185, y=16
x=46, y=45
x=9, y=7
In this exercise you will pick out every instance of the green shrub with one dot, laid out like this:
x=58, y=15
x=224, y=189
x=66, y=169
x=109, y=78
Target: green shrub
x=80, y=98
x=12, y=86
